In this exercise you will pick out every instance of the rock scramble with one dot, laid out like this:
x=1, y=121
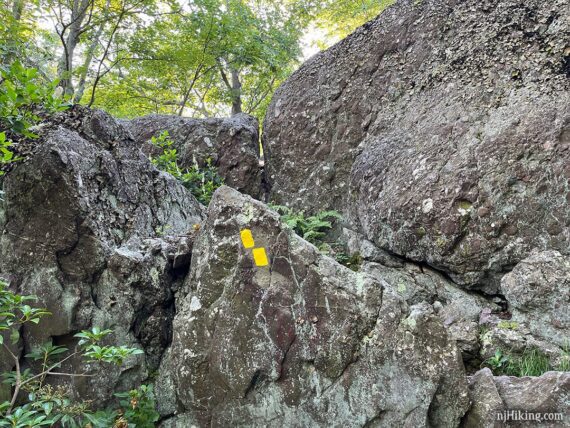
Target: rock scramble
x=300, y=342
x=441, y=130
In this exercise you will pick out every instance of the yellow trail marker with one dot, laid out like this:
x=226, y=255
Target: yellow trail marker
x=247, y=238
x=260, y=257
x=259, y=254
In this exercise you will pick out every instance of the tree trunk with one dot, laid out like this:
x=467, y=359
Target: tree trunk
x=12, y=42
x=65, y=67
x=236, y=92
x=234, y=86
x=86, y=64
x=17, y=8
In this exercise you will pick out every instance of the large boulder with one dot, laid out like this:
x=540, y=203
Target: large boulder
x=302, y=341
x=486, y=403
x=505, y=401
x=458, y=310
x=441, y=130
x=231, y=143
x=102, y=237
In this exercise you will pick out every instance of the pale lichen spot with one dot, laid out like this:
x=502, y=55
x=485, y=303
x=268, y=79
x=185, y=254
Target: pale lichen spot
x=427, y=205
x=195, y=304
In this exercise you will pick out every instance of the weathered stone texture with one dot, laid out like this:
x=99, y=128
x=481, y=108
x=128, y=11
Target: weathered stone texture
x=441, y=130
x=302, y=342
x=82, y=219
x=493, y=396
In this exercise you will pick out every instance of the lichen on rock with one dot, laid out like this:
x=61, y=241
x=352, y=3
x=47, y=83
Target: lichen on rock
x=302, y=340
x=445, y=117
x=80, y=219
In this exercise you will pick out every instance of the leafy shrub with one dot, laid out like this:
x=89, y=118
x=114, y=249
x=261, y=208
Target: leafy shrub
x=312, y=228
x=6, y=155
x=22, y=98
x=47, y=405
x=168, y=160
x=202, y=182
x=140, y=407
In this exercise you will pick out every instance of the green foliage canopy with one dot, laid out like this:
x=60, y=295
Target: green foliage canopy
x=196, y=58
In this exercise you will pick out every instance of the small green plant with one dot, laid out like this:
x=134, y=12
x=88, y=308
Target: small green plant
x=49, y=406
x=201, y=181
x=483, y=330
x=354, y=261
x=167, y=161
x=312, y=228
x=564, y=365
x=498, y=362
x=6, y=155
x=336, y=251
x=139, y=407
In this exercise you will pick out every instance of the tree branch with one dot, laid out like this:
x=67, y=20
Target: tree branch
x=18, y=379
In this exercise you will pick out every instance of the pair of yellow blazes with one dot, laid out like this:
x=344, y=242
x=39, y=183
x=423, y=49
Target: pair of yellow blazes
x=259, y=254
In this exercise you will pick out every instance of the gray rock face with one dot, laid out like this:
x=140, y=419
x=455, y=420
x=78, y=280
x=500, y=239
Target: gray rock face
x=81, y=230
x=441, y=129
x=301, y=342
x=538, y=290
x=232, y=144
x=496, y=398
x=458, y=310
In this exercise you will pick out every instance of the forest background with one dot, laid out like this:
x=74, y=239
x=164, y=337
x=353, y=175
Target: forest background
x=196, y=58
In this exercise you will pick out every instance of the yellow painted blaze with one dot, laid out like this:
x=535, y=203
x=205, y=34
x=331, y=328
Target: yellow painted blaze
x=260, y=257
x=247, y=238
